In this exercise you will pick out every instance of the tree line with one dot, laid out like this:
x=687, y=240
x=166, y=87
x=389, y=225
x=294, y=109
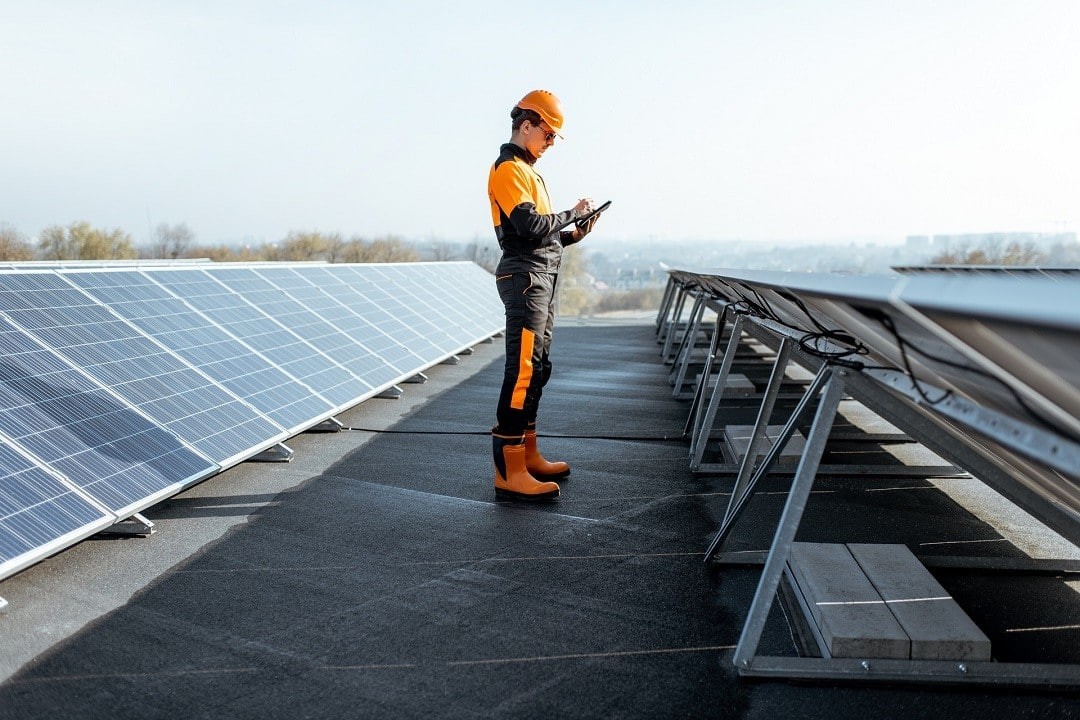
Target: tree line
x=81, y=241
x=579, y=294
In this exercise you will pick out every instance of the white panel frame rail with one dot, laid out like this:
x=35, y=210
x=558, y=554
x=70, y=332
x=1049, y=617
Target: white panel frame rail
x=1013, y=456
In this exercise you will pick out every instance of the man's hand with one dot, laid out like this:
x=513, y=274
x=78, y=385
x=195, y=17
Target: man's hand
x=583, y=207
x=582, y=229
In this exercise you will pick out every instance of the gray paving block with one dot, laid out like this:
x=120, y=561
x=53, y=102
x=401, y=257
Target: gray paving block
x=844, y=605
x=938, y=627
x=737, y=441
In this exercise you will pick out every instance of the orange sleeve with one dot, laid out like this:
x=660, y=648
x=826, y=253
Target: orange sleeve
x=508, y=187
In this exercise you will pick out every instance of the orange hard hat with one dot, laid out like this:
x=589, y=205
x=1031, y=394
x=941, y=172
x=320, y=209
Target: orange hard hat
x=547, y=106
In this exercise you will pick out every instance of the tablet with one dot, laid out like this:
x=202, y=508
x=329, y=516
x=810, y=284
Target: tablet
x=589, y=216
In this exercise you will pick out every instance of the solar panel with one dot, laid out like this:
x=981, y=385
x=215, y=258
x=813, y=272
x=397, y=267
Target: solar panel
x=981, y=368
x=146, y=375
x=39, y=513
x=429, y=304
x=378, y=369
x=205, y=345
x=302, y=321
x=264, y=333
x=475, y=304
x=398, y=341
x=74, y=425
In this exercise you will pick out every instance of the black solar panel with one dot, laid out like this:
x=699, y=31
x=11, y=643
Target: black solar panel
x=121, y=386
x=206, y=345
x=143, y=373
x=265, y=334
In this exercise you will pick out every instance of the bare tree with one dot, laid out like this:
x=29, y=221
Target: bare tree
x=172, y=241
x=14, y=245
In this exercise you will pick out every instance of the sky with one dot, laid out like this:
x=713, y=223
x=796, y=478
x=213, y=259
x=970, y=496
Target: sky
x=717, y=120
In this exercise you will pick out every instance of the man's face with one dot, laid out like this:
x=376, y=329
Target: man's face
x=538, y=138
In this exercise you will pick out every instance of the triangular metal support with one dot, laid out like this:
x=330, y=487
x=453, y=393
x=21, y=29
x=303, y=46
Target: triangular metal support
x=278, y=453
x=134, y=526
x=466, y=351
x=329, y=425
x=391, y=393
x=452, y=360
x=417, y=379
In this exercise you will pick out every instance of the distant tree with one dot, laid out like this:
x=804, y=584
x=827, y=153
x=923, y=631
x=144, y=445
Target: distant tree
x=14, y=245
x=388, y=248
x=440, y=251
x=80, y=241
x=171, y=241
x=306, y=245
x=992, y=254
x=226, y=253
x=486, y=255
x=573, y=292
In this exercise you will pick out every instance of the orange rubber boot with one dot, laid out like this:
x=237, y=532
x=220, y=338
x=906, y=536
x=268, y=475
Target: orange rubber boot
x=512, y=479
x=537, y=464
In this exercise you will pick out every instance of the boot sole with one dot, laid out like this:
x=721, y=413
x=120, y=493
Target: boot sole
x=550, y=477
x=511, y=495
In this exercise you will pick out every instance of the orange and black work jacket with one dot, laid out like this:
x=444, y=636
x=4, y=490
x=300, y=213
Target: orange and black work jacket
x=525, y=225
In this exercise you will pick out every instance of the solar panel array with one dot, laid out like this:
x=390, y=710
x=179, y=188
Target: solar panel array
x=120, y=386
x=983, y=368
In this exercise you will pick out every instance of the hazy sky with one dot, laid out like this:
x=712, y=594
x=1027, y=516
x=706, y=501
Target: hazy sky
x=712, y=119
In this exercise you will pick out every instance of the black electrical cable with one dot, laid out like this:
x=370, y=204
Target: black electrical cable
x=903, y=342
x=635, y=438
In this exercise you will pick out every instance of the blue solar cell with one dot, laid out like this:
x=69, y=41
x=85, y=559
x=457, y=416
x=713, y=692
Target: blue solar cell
x=163, y=386
x=303, y=321
x=387, y=360
x=280, y=345
x=70, y=422
x=372, y=283
x=37, y=510
x=433, y=299
x=206, y=345
x=393, y=320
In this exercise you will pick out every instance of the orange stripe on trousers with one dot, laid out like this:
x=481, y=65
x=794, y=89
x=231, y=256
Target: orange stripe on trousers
x=525, y=369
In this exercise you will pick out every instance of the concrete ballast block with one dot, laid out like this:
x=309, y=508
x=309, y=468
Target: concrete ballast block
x=850, y=615
x=938, y=627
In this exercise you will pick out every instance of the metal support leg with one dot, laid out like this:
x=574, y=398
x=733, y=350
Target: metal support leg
x=391, y=393
x=278, y=453
x=703, y=382
x=134, y=526
x=740, y=497
x=704, y=428
x=789, y=523
x=665, y=303
x=673, y=326
x=686, y=349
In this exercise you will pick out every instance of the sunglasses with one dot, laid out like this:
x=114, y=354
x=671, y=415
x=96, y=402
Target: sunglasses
x=548, y=136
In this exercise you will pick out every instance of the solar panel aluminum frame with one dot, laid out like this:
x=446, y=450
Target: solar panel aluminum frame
x=1031, y=479
x=40, y=552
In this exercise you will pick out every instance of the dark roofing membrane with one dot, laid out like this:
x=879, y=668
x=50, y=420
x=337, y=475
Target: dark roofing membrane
x=393, y=585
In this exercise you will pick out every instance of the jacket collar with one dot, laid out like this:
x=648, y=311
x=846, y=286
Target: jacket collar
x=518, y=152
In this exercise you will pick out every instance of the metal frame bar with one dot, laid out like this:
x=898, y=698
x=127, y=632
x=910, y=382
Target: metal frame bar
x=686, y=345
x=702, y=429
x=789, y=522
x=673, y=324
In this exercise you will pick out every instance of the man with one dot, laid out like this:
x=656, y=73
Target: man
x=532, y=243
